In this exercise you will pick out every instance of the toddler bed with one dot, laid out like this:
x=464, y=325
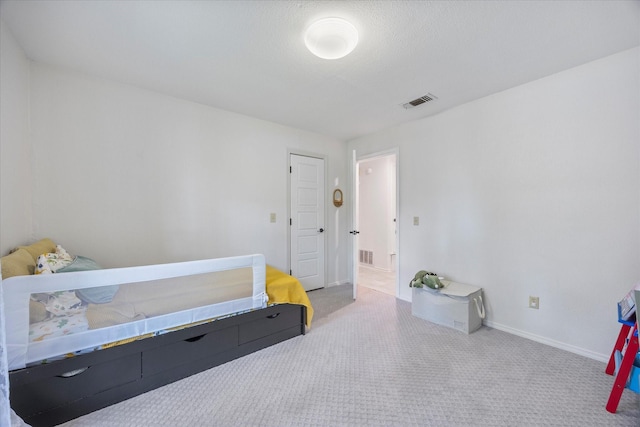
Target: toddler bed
x=152, y=324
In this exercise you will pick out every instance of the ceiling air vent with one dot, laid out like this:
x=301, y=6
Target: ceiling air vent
x=419, y=101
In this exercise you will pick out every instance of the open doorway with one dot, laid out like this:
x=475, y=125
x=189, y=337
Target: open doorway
x=377, y=252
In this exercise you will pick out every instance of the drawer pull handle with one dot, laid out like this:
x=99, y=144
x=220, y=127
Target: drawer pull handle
x=194, y=339
x=273, y=316
x=73, y=373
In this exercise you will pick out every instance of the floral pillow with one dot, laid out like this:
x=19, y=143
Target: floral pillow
x=63, y=303
x=51, y=262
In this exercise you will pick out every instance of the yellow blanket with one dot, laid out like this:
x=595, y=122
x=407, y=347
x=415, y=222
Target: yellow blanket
x=282, y=288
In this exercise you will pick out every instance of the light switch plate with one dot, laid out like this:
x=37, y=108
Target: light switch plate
x=272, y=217
x=416, y=220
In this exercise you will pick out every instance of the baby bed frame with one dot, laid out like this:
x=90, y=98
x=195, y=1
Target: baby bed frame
x=53, y=393
x=47, y=395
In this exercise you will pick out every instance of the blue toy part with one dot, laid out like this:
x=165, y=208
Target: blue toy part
x=633, y=383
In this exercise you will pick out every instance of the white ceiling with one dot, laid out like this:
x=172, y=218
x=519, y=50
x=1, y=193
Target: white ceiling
x=249, y=56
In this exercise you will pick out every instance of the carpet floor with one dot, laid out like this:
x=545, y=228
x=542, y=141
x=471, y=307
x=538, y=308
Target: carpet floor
x=371, y=363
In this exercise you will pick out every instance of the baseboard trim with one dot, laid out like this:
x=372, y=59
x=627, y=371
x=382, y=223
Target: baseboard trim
x=553, y=343
x=374, y=267
x=338, y=283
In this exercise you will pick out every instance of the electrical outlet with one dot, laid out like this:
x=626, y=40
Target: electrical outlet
x=534, y=302
x=416, y=220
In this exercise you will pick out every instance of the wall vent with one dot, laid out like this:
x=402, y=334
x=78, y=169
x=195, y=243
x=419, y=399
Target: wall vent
x=419, y=101
x=366, y=257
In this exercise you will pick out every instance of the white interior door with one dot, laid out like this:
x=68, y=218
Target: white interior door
x=307, y=220
x=354, y=222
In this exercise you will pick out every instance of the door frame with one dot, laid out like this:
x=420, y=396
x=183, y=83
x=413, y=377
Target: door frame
x=354, y=250
x=295, y=152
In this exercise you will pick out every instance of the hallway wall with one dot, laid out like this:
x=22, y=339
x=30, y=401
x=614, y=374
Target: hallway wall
x=377, y=191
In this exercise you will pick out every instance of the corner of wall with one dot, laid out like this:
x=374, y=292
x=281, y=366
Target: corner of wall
x=16, y=186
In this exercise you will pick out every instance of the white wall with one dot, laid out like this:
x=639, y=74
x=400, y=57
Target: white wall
x=377, y=209
x=127, y=176
x=532, y=191
x=15, y=153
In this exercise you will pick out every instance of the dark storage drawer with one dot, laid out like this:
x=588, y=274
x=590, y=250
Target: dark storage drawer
x=276, y=318
x=62, y=388
x=188, y=350
x=43, y=397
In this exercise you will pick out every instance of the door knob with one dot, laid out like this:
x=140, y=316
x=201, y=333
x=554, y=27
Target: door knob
x=321, y=230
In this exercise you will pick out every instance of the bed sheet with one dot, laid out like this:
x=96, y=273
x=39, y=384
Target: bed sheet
x=57, y=326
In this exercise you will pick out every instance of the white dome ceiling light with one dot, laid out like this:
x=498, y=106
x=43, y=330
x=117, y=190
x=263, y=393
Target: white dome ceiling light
x=331, y=38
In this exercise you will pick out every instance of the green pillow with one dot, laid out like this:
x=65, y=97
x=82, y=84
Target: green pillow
x=99, y=295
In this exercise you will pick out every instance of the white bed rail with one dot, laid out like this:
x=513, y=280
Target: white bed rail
x=17, y=291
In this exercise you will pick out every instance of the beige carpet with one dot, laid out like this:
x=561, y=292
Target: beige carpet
x=371, y=363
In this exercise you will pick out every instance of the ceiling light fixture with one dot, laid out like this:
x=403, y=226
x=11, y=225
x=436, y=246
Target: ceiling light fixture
x=331, y=38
